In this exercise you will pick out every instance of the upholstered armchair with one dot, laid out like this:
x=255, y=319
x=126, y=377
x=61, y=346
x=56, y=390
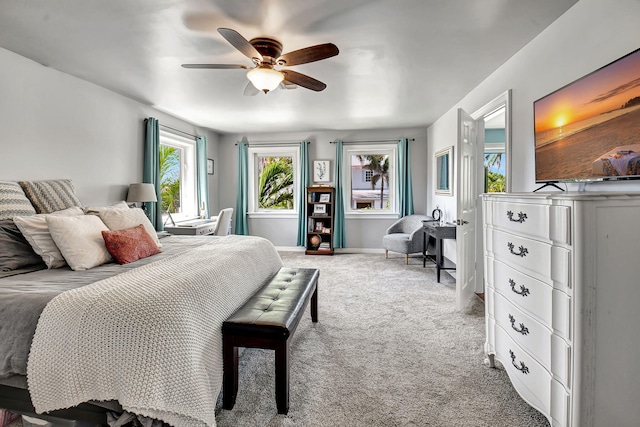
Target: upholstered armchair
x=405, y=236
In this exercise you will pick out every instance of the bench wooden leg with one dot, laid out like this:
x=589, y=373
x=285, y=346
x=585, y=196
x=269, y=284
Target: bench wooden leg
x=230, y=372
x=282, y=376
x=314, y=305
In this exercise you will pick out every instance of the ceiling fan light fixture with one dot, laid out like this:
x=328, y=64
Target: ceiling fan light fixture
x=265, y=78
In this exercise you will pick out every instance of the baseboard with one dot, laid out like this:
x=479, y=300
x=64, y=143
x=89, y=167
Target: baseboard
x=336, y=251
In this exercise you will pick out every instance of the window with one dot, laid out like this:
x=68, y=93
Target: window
x=495, y=148
x=273, y=180
x=178, y=176
x=370, y=187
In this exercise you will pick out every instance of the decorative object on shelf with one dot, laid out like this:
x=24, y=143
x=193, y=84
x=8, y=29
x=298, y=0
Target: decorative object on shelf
x=321, y=170
x=143, y=193
x=325, y=198
x=319, y=226
x=315, y=241
x=320, y=209
x=209, y=166
x=437, y=213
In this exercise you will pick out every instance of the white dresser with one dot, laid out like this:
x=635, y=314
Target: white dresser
x=562, y=278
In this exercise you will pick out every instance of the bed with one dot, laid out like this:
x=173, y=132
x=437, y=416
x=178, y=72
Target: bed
x=142, y=337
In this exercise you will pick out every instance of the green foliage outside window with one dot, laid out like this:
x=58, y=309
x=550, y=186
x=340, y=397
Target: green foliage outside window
x=275, y=183
x=170, y=178
x=494, y=180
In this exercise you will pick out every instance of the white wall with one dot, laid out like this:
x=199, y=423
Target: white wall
x=359, y=233
x=57, y=126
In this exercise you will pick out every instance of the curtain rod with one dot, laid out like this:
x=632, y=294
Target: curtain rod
x=177, y=130
x=372, y=141
x=274, y=143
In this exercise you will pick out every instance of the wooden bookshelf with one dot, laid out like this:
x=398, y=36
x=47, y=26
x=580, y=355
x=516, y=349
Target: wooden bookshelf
x=320, y=211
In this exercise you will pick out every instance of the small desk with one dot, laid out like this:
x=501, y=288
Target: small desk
x=439, y=232
x=201, y=227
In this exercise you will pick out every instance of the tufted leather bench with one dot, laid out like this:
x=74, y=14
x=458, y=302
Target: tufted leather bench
x=268, y=320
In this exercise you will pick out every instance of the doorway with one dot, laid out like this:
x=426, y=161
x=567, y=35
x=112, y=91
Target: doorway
x=493, y=163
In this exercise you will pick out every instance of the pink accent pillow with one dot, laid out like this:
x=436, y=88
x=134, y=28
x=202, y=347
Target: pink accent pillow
x=130, y=244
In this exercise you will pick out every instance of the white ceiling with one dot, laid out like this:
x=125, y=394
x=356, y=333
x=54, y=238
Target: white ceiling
x=402, y=63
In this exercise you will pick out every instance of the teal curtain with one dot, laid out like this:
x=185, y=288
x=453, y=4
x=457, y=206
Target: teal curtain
x=242, y=203
x=151, y=169
x=338, y=221
x=405, y=186
x=302, y=193
x=203, y=178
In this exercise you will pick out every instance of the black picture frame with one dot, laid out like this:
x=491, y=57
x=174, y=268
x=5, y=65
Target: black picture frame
x=209, y=166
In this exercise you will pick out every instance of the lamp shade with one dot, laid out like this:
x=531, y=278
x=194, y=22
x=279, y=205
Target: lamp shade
x=142, y=192
x=265, y=78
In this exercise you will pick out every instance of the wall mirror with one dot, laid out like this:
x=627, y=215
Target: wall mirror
x=444, y=171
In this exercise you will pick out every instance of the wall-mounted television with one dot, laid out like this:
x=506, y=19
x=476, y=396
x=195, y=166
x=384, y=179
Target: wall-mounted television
x=590, y=129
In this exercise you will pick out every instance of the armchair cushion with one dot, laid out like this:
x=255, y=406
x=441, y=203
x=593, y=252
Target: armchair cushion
x=405, y=236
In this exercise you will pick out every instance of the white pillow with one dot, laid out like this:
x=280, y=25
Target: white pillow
x=34, y=228
x=120, y=219
x=79, y=239
x=96, y=210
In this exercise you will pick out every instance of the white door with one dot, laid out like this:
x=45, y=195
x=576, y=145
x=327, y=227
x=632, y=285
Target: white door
x=467, y=204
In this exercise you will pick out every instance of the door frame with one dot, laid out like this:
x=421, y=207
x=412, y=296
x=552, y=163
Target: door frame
x=504, y=99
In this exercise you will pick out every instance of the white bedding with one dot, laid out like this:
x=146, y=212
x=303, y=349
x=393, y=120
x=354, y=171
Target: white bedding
x=150, y=337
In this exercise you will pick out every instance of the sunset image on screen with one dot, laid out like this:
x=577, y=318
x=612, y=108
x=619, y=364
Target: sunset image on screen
x=587, y=119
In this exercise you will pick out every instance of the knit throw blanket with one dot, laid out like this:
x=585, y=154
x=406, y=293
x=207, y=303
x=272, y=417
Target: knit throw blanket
x=149, y=338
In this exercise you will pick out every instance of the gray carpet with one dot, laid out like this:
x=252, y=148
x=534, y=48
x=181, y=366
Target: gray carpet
x=389, y=350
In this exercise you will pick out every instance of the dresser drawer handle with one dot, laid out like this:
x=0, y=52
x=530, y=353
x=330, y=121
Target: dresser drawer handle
x=522, y=368
x=523, y=291
x=523, y=329
x=521, y=216
x=523, y=251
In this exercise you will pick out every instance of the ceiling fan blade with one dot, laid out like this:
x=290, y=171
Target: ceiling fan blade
x=215, y=66
x=309, y=54
x=240, y=43
x=250, y=90
x=303, y=80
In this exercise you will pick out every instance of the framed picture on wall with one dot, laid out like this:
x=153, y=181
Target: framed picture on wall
x=321, y=170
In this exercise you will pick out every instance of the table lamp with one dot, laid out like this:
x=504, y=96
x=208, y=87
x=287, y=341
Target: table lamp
x=142, y=192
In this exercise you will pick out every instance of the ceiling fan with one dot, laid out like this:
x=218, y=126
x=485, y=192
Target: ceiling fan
x=266, y=53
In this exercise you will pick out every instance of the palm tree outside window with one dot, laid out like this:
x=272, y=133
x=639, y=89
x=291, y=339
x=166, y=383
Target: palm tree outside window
x=372, y=181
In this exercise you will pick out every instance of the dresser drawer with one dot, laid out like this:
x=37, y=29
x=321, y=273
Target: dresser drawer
x=529, y=378
x=531, y=255
x=543, y=261
x=528, y=333
x=524, y=291
x=522, y=218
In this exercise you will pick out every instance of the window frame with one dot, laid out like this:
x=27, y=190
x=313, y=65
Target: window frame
x=254, y=153
x=188, y=174
x=391, y=150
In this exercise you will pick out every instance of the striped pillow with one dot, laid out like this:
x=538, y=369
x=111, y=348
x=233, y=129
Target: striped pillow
x=50, y=196
x=13, y=201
